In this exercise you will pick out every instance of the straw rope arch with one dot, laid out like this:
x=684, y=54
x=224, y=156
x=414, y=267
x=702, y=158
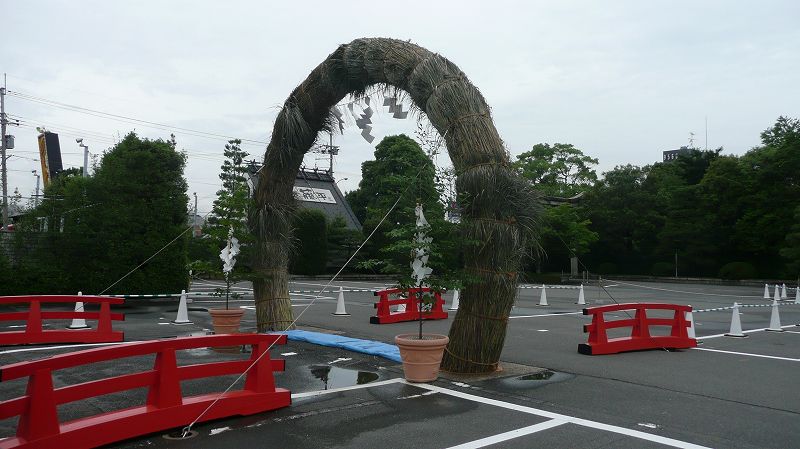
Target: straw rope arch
x=499, y=209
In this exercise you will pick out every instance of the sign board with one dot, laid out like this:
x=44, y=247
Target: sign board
x=313, y=195
x=49, y=155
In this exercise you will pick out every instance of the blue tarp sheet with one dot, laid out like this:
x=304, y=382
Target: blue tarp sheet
x=351, y=344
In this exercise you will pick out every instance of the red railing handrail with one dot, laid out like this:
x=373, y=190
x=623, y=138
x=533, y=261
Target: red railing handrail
x=60, y=299
x=394, y=291
x=636, y=305
x=133, y=349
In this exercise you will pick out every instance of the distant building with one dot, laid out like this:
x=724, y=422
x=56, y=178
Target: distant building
x=317, y=189
x=671, y=155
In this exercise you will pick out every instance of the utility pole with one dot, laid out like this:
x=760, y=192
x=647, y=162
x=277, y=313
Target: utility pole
x=194, y=218
x=3, y=122
x=676, y=263
x=36, y=196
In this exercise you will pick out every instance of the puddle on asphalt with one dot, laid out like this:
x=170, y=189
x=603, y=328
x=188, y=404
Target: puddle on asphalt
x=336, y=377
x=537, y=379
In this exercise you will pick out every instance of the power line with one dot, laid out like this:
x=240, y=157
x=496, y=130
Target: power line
x=108, y=115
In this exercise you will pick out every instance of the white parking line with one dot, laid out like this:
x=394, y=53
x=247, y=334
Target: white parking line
x=749, y=331
x=555, y=419
x=749, y=354
x=499, y=438
x=559, y=417
x=544, y=314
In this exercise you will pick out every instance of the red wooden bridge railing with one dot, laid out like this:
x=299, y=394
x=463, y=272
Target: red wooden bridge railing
x=640, y=337
x=165, y=407
x=410, y=298
x=35, y=334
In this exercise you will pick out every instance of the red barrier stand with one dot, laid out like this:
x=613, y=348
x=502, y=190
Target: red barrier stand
x=34, y=334
x=640, y=337
x=165, y=407
x=410, y=298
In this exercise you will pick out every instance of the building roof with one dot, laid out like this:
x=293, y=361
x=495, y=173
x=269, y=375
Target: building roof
x=317, y=189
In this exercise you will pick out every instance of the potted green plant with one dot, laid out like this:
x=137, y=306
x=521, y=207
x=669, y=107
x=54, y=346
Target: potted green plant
x=420, y=352
x=227, y=320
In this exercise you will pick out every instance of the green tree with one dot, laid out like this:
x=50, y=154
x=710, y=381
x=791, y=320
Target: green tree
x=139, y=217
x=557, y=170
x=791, y=250
x=310, y=255
x=229, y=211
x=400, y=170
x=560, y=170
x=119, y=231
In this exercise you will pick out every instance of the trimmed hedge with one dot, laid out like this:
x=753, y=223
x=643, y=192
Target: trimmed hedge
x=737, y=270
x=310, y=255
x=663, y=269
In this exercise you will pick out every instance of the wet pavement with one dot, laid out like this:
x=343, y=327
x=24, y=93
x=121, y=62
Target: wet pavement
x=729, y=393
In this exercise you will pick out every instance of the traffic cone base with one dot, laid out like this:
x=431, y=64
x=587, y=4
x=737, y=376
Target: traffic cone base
x=775, y=319
x=736, y=324
x=183, y=312
x=78, y=323
x=454, y=305
x=543, y=297
x=340, y=310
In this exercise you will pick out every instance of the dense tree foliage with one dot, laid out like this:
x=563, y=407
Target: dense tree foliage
x=125, y=226
x=720, y=215
x=560, y=170
x=402, y=173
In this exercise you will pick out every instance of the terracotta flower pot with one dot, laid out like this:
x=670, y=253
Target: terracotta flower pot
x=226, y=321
x=421, y=358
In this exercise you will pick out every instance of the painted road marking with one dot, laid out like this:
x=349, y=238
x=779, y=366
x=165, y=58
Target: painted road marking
x=499, y=438
x=557, y=417
x=749, y=354
x=545, y=314
x=749, y=331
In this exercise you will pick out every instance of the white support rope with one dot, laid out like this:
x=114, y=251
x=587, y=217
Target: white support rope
x=188, y=428
x=686, y=292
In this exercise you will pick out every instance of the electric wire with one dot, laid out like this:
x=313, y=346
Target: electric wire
x=188, y=428
x=127, y=119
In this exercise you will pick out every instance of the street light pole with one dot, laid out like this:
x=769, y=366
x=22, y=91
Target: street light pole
x=85, y=156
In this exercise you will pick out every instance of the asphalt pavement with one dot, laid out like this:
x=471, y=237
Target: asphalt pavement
x=729, y=392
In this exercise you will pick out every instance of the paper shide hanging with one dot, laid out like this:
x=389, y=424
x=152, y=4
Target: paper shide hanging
x=364, y=120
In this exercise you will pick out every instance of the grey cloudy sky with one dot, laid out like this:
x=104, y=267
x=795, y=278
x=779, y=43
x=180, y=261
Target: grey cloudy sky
x=620, y=80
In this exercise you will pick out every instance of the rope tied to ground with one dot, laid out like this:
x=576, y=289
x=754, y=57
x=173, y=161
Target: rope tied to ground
x=494, y=364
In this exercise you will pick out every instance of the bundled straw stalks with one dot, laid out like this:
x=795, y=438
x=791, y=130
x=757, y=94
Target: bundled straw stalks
x=499, y=208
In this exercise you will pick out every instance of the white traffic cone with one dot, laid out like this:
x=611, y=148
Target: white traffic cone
x=690, y=330
x=775, y=318
x=766, y=291
x=736, y=323
x=783, y=291
x=340, y=311
x=543, y=298
x=454, y=305
x=777, y=296
x=797, y=295
x=183, y=311
x=581, y=298
x=78, y=323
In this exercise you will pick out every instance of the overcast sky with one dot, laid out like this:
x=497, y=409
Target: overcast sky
x=620, y=80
